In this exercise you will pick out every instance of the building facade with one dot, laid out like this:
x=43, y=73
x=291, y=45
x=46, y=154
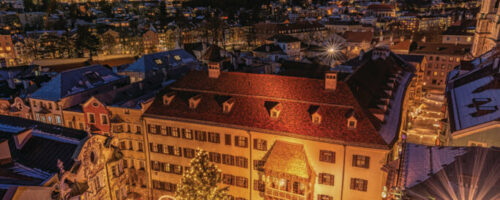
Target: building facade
x=268, y=141
x=487, y=32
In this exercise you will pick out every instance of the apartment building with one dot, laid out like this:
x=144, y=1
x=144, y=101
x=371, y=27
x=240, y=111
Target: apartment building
x=69, y=89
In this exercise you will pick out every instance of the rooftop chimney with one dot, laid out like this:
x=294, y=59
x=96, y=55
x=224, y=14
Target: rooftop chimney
x=213, y=70
x=330, y=80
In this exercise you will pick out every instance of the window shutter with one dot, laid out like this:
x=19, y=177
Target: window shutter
x=320, y=178
x=367, y=162
x=236, y=141
x=332, y=179
x=354, y=158
x=352, y=183
x=365, y=185
x=255, y=143
x=228, y=139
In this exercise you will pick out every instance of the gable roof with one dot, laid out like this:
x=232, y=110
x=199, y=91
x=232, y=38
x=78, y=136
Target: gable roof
x=74, y=81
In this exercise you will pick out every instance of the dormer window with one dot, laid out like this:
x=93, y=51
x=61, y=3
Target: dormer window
x=227, y=106
x=316, y=119
x=275, y=114
x=177, y=57
x=194, y=101
x=352, y=122
x=274, y=109
x=314, y=113
x=158, y=61
x=168, y=98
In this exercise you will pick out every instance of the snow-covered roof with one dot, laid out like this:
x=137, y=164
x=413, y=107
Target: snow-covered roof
x=77, y=80
x=420, y=162
x=167, y=59
x=466, y=99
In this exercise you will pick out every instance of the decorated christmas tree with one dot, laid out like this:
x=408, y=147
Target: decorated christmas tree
x=200, y=180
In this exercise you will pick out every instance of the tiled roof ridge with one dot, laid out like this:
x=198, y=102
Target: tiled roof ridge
x=262, y=97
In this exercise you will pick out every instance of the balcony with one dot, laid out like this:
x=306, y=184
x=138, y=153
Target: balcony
x=276, y=193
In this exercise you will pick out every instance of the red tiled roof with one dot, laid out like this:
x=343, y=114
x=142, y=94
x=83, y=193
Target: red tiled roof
x=358, y=37
x=251, y=91
x=380, y=7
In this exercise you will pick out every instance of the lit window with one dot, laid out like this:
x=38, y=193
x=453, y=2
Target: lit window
x=158, y=61
x=177, y=57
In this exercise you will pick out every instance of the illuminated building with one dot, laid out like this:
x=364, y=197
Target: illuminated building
x=486, y=36
x=381, y=10
x=7, y=52
x=54, y=162
x=71, y=88
x=277, y=136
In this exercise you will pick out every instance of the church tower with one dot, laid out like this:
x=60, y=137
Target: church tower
x=487, y=35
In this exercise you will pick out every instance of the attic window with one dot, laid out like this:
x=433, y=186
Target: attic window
x=177, y=58
x=316, y=119
x=158, y=61
x=274, y=109
x=194, y=101
x=351, y=123
x=315, y=116
x=167, y=98
x=275, y=114
x=227, y=106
